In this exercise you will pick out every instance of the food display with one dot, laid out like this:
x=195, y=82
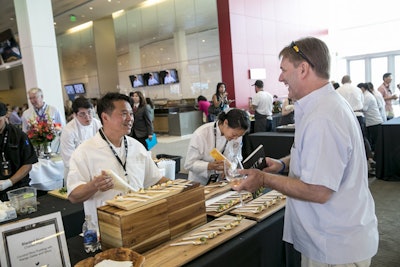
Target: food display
x=177, y=206
x=215, y=189
x=198, y=241
x=143, y=196
x=263, y=206
x=222, y=204
x=116, y=257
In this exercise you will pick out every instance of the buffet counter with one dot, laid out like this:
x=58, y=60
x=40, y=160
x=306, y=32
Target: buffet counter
x=261, y=245
x=177, y=120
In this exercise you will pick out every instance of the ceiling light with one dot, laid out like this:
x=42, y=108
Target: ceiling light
x=80, y=27
x=118, y=13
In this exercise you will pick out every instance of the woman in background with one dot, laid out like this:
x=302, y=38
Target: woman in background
x=225, y=135
x=287, y=112
x=142, y=125
x=150, y=106
x=203, y=106
x=220, y=100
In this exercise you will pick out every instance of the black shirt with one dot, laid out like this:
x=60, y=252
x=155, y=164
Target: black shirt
x=19, y=151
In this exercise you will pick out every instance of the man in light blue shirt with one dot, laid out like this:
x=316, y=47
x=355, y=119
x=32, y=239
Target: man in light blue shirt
x=330, y=213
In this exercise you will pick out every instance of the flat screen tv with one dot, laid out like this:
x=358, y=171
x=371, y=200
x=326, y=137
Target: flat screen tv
x=79, y=88
x=169, y=76
x=69, y=89
x=136, y=80
x=151, y=78
x=9, y=48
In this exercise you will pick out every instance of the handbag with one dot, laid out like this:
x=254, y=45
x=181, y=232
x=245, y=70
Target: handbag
x=214, y=110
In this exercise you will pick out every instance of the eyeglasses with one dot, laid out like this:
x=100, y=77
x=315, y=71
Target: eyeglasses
x=298, y=51
x=83, y=114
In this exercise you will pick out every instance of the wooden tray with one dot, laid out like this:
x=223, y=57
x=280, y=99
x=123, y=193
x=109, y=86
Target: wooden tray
x=216, y=189
x=166, y=255
x=136, y=199
x=249, y=211
x=56, y=193
x=224, y=199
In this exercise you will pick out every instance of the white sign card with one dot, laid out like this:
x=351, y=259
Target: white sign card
x=35, y=242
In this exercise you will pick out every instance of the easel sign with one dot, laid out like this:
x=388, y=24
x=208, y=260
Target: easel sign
x=38, y=241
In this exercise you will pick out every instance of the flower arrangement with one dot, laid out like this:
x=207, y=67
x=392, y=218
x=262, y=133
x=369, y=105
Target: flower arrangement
x=42, y=130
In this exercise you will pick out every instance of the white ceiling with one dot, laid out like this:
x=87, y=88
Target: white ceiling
x=84, y=10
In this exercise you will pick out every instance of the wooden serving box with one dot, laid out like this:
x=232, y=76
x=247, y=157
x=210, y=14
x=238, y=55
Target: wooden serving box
x=153, y=223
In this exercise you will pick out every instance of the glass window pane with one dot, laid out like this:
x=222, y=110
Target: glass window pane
x=379, y=66
x=357, y=71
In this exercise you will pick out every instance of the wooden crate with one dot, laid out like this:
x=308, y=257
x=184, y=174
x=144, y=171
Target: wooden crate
x=154, y=223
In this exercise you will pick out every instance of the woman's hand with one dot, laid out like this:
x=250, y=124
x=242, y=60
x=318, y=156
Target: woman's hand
x=217, y=165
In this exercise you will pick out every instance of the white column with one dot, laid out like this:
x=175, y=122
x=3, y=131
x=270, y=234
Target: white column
x=39, y=49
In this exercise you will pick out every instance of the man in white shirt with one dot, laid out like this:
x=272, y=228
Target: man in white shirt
x=41, y=110
x=152, y=80
x=82, y=127
x=330, y=213
x=110, y=149
x=262, y=106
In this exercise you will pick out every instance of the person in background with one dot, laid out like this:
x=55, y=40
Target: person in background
x=82, y=127
x=39, y=109
x=110, y=149
x=379, y=99
x=330, y=213
x=150, y=107
x=287, y=112
x=355, y=97
x=373, y=118
x=203, y=104
x=225, y=134
x=262, y=106
x=17, y=158
x=69, y=113
x=220, y=100
x=42, y=111
x=168, y=78
x=142, y=123
x=384, y=89
x=14, y=117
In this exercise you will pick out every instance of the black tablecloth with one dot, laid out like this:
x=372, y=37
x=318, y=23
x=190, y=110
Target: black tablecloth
x=387, y=151
x=72, y=214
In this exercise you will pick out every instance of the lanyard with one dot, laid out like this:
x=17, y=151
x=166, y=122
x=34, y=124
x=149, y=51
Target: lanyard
x=115, y=153
x=41, y=113
x=4, y=144
x=215, y=139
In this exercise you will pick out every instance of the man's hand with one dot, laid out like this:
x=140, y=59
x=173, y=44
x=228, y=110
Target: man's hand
x=4, y=184
x=103, y=182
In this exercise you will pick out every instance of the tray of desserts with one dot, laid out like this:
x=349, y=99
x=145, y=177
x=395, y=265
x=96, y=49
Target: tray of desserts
x=189, y=246
x=222, y=204
x=262, y=207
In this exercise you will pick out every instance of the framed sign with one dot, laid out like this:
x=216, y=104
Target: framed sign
x=35, y=242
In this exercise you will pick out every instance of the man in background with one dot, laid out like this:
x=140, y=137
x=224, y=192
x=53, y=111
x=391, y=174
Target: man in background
x=262, y=106
x=42, y=111
x=82, y=127
x=17, y=156
x=387, y=95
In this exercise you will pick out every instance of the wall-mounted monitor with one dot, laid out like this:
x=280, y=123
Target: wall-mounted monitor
x=9, y=48
x=151, y=78
x=75, y=88
x=69, y=89
x=169, y=76
x=79, y=88
x=136, y=80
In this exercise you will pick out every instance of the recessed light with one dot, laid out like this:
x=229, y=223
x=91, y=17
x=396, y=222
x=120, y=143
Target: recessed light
x=91, y=8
